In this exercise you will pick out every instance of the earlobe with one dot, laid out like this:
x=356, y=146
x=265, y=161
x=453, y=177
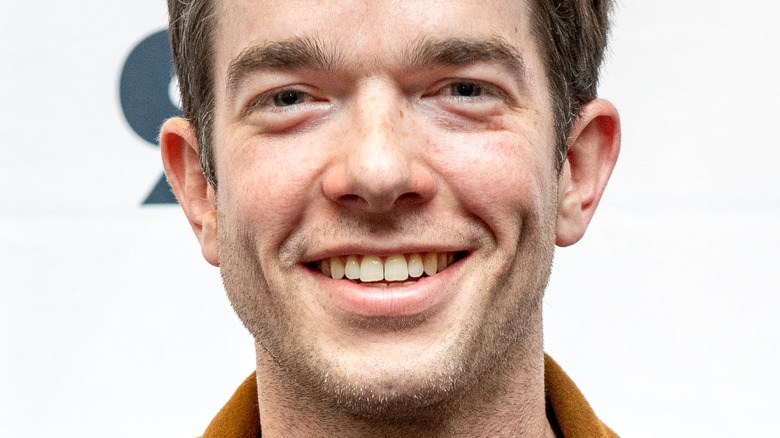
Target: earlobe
x=594, y=144
x=181, y=160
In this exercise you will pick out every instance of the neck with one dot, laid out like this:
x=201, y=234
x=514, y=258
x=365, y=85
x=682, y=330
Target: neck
x=508, y=402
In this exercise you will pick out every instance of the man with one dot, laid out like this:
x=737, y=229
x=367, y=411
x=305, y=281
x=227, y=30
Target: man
x=382, y=184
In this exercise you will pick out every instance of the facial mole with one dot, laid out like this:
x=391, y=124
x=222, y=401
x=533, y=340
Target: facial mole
x=401, y=113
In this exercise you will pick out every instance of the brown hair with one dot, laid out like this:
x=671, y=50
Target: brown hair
x=572, y=35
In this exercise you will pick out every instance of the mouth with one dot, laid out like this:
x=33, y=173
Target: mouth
x=397, y=270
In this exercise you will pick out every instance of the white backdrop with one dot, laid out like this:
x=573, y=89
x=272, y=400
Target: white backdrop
x=666, y=314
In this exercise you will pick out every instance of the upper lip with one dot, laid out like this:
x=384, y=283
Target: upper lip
x=346, y=250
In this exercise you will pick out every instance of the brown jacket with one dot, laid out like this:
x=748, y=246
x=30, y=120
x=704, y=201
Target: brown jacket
x=570, y=414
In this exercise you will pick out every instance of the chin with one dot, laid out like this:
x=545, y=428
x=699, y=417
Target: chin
x=414, y=382
x=379, y=389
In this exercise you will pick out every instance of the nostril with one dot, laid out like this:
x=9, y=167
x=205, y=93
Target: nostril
x=409, y=197
x=349, y=198
x=382, y=204
x=378, y=189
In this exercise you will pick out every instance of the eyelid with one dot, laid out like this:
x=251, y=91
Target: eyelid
x=489, y=89
x=264, y=101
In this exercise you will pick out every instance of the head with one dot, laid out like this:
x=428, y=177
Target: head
x=571, y=34
x=391, y=186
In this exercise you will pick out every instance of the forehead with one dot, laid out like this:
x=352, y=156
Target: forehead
x=368, y=32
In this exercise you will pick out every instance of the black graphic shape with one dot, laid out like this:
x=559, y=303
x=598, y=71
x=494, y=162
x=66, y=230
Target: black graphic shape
x=161, y=193
x=145, y=98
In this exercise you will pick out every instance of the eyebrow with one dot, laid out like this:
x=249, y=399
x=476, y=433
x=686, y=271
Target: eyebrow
x=296, y=53
x=310, y=53
x=464, y=51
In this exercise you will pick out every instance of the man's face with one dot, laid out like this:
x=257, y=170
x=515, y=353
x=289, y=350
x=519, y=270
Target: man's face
x=374, y=132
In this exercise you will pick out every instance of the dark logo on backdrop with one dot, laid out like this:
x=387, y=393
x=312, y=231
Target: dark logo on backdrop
x=147, y=92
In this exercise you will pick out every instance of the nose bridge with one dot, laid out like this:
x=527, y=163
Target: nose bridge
x=378, y=157
x=379, y=164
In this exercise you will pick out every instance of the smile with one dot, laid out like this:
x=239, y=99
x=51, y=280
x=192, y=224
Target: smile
x=396, y=270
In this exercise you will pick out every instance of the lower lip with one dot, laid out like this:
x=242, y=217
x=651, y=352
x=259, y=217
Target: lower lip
x=423, y=296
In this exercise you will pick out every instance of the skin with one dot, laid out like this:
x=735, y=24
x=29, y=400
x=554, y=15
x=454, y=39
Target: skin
x=381, y=154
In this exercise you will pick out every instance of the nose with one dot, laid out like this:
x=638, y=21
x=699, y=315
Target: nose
x=379, y=165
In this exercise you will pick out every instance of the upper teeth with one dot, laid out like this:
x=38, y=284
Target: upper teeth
x=394, y=268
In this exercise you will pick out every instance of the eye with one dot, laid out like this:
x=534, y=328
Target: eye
x=278, y=100
x=466, y=98
x=465, y=89
x=285, y=109
x=289, y=97
x=470, y=92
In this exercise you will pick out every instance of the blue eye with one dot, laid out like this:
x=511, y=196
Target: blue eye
x=289, y=97
x=465, y=89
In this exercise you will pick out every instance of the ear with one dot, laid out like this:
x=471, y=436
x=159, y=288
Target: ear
x=181, y=159
x=594, y=144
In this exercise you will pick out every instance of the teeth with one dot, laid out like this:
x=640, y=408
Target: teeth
x=416, y=267
x=352, y=268
x=336, y=268
x=395, y=271
x=371, y=269
x=395, y=268
x=430, y=263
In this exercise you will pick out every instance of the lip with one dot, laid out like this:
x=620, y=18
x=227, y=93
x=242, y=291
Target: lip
x=424, y=296
x=380, y=250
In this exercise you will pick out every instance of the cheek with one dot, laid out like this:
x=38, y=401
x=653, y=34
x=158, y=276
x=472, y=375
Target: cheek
x=495, y=173
x=267, y=184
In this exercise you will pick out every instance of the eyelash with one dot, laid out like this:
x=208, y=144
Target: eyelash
x=485, y=90
x=269, y=99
